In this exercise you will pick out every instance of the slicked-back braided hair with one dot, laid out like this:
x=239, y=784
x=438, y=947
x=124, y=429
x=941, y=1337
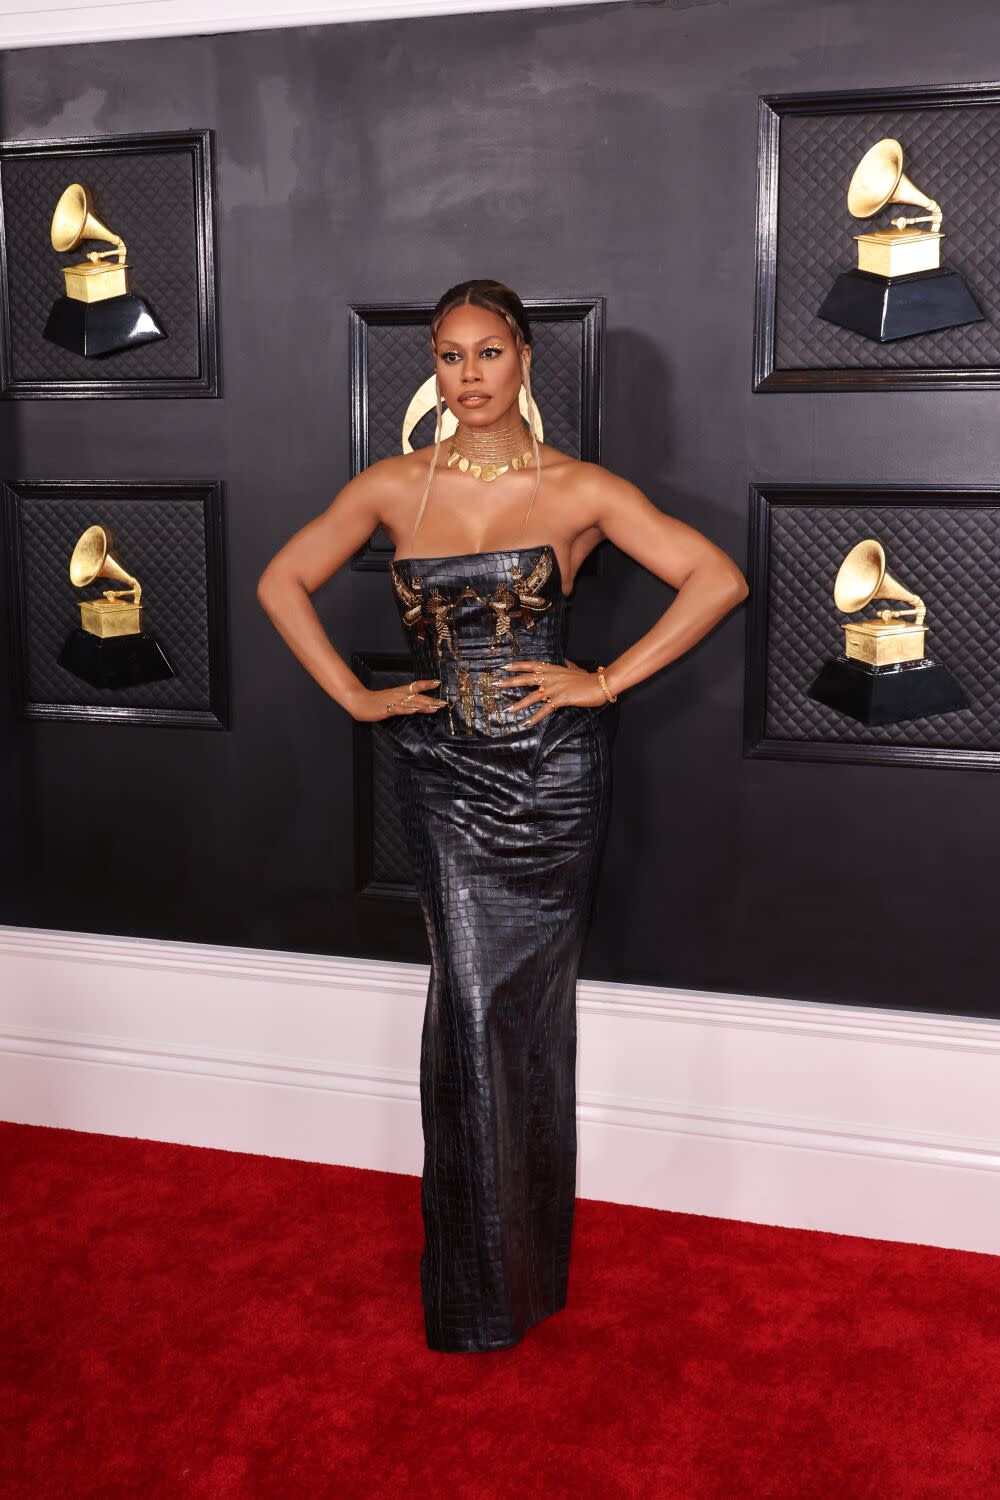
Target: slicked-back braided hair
x=499, y=299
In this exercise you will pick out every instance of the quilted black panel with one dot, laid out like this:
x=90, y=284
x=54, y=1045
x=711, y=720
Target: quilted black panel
x=381, y=854
x=950, y=154
x=948, y=554
x=149, y=199
x=162, y=541
x=399, y=361
x=390, y=859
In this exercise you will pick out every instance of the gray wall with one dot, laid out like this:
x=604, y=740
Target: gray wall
x=603, y=150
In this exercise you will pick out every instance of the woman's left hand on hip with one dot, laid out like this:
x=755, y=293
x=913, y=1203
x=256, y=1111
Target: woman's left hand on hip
x=559, y=687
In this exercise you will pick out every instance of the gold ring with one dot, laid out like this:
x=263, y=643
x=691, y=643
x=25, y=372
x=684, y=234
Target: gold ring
x=389, y=707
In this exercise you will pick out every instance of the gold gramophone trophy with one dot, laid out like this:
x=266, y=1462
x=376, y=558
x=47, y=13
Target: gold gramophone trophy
x=110, y=648
x=899, y=287
x=98, y=313
x=882, y=675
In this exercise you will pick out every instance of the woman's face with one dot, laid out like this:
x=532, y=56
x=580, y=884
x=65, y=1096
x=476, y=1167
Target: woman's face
x=479, y=366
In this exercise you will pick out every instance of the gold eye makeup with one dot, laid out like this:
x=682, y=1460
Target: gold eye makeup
x=450, y=355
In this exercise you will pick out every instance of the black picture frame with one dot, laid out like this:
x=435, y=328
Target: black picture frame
x=757, y=744
x=588, y=312
x=773, y=109
x=199, y=145
x=208, y=495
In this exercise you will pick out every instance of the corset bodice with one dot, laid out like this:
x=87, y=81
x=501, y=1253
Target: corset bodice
x=467, y=615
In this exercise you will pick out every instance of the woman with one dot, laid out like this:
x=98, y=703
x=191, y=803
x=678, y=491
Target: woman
x=503, y=778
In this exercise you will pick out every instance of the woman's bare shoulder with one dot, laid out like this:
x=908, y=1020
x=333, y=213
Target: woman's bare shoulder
x=554, y=458
x=585, y=476
x=397, y=473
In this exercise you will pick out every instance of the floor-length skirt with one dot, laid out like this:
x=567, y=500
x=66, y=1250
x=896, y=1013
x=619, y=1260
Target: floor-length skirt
x=506, y=835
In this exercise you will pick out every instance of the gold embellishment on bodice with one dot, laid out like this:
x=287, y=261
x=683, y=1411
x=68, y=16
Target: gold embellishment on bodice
x=440, y=610
x=523, y=604
x=466, y=698
x=489, y=684
x=528, y=590
x=412, y=600
x=502, y=603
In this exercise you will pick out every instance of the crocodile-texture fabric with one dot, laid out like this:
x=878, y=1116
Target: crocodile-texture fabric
x=505, y=825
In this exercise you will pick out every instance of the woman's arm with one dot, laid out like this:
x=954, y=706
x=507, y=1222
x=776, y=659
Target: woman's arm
x=708, y=582
x=308, y=560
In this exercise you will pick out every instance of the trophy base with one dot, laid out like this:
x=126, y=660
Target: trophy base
x=886, y=695
x=96, y=328
x=897, y=307
x=117, y=661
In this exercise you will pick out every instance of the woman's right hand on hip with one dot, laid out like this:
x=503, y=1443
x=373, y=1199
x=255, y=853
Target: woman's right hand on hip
x=407, y=698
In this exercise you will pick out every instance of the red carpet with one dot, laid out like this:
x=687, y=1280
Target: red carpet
x=181, y=1322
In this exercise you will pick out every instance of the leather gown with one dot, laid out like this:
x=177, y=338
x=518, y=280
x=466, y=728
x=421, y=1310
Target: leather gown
x=505, y=826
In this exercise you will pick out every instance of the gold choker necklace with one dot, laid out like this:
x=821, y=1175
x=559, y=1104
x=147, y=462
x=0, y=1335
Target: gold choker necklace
x=485, y=455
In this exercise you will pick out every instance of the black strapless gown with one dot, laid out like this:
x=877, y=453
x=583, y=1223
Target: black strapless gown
x=506, y=828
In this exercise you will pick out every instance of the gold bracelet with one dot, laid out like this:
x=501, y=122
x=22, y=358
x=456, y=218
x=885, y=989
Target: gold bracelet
x=611, y=697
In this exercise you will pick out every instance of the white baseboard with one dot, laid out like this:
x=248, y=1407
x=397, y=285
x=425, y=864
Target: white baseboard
x=861, y=1121
x=49, y=23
